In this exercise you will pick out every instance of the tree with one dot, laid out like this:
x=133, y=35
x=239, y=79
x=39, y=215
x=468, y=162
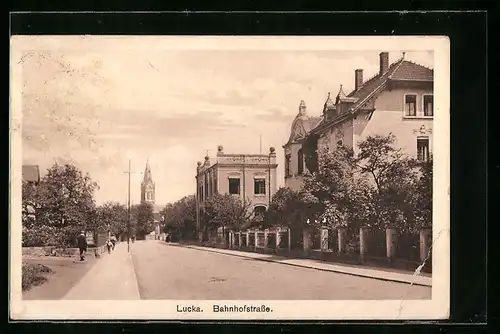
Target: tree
x=114, y=215
x=422, y=199
x=291, y=208
x=142, y=218
x=333, y=185
x=63, y=199
x=226, y=211
x=181, y=217
x=30, y=204
x=393, y=175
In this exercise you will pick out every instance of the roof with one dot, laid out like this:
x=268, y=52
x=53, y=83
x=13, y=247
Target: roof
x=157, y=208
x=412, y=71
x=301, y=126
x=401, y=70
x=31, y=173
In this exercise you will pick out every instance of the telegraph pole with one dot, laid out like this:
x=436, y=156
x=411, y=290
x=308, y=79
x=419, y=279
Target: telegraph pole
x=129, y=172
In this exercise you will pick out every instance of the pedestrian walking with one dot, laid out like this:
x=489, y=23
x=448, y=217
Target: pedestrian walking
x=113, y=241
x=109, y=245
x=82, y=245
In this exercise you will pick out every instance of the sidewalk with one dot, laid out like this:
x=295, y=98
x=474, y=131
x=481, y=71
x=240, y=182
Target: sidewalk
x=325, y=266
x=111, y=278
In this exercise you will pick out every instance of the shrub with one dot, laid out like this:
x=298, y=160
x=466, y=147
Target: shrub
x=39, y=236
x=33, y=274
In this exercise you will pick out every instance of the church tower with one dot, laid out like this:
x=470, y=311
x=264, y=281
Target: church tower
x=148, y=186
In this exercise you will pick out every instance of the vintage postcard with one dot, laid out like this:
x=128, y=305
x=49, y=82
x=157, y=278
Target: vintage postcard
x=229, y=178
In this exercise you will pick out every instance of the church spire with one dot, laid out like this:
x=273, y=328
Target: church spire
x=147, y=186
x=147, y=172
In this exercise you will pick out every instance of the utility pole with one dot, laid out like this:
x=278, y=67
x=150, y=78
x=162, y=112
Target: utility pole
x=129, y=172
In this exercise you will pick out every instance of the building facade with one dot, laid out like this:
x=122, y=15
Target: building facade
x=148, y=196
x=398, y=99
x=251, y=177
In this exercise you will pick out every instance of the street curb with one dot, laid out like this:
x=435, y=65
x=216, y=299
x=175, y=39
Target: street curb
x=131, y=260
x=303, y=266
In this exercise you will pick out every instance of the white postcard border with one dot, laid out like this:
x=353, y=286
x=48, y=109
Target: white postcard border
x=435, y=308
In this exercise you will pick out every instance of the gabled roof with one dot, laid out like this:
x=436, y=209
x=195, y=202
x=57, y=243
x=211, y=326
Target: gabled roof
x=31, y=173
x=401, y=70
x=412, y=71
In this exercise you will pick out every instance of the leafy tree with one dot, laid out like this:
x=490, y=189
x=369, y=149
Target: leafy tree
x=333, y=185
x=63, y=199
x=291, y=208
x=30, y=203
x=226, y=211
x=422, y=199
x=393, y=175
x=142, y=218
x=181, y=217
x=114, y=215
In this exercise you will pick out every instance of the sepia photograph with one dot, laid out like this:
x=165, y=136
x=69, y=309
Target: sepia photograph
x=229, y=177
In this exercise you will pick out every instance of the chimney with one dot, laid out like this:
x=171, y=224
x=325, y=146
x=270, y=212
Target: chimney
x=384, y=62
x=358, y=79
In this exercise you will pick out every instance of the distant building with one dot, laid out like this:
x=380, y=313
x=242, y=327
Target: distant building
x=398, y=99
x=31, y=173
x=148, y=196
x=251, y=177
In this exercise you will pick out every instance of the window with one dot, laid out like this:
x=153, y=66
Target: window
x=422, y=149
x=428, y=105
x=411, y=105
x=234, y=186
x=300, y=163
x=214, y=187
x=206, y=188
x=209, y=187
x=288, y=159
x=259, y=186
x=259, y=211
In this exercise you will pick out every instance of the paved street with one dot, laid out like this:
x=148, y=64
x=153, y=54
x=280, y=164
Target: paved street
x=170, y=272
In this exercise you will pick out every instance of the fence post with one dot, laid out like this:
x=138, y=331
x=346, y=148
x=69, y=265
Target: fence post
x=307, y=239
x=265, y=238
x=239, y=240
x=390, y=243
x=289, y=239
x=278, y=239
x=342, y=235
x=248, y=238
x=324, y=239
x=425, y=243
x=363, y=242
x=255, y=240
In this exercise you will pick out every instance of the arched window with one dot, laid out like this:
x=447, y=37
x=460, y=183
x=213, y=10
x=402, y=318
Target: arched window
x=300, y=162
x=259, y=210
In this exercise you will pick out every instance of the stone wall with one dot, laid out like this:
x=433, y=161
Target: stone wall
x=61, y=252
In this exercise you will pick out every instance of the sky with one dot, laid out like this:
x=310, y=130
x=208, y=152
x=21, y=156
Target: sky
x=98, y=105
